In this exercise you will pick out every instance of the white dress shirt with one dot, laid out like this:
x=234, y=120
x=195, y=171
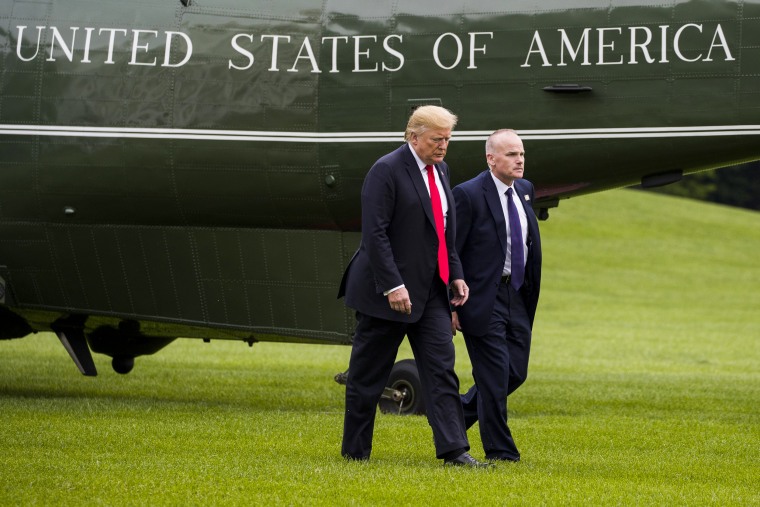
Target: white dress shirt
x=501, y=188
x=444, y=203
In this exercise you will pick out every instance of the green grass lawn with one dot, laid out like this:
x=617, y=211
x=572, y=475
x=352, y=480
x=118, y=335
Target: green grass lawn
x=644, y=389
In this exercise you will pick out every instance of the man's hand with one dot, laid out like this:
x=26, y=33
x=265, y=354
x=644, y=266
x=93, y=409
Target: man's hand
x=399, y=301
x=461, y=292
x=455, y=323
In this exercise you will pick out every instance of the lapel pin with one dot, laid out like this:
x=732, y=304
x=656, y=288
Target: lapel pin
x=527, y=197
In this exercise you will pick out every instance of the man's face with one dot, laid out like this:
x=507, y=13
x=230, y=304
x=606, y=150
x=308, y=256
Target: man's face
x=507, y=162
x=431, y=145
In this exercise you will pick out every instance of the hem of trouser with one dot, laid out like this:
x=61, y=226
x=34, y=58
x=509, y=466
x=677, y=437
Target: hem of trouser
x=441, y=453
x=355, y=458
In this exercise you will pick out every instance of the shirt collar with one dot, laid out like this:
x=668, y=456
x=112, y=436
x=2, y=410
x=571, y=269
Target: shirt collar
x=420, y=164
x=502, y=187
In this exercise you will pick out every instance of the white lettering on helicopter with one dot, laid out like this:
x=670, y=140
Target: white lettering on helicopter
x=632, y=45
x=639, y=38
x=141, y=42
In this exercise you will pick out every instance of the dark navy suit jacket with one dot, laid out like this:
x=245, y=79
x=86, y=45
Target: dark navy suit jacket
x=399, y=243
x=482, y=245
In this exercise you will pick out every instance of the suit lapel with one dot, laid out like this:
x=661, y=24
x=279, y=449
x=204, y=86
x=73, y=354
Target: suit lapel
x=497, y=211
x=419, y=184
x=450, y=224
x=527, y=206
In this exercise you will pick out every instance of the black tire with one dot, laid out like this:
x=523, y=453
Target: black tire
x=406, y=379
x=123, y=364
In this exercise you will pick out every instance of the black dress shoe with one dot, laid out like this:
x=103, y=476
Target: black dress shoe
x=465, y=460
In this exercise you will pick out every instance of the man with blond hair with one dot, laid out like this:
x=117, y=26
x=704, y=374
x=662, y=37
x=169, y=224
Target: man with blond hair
x=398, y=282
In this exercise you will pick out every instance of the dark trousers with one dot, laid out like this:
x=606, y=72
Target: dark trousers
x=499, y=366
x=373, y=353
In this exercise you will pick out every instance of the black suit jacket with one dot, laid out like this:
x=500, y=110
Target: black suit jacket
x=399, y=243
x=482, y=245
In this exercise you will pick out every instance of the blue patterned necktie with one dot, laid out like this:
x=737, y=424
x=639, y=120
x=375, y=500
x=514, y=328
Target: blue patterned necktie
x=517, y=257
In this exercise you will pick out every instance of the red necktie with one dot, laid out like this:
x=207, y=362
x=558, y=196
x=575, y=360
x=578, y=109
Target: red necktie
x=435, y=199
